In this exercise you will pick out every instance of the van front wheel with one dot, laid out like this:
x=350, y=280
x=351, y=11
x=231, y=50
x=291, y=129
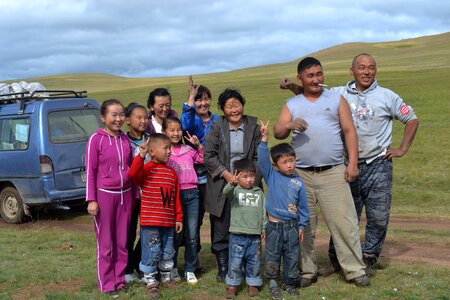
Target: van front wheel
x=11, y=206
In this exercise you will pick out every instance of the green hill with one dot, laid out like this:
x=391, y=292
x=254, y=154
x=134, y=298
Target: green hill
x=418, y=69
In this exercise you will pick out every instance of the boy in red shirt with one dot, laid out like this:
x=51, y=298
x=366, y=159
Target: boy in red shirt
x=161, y=212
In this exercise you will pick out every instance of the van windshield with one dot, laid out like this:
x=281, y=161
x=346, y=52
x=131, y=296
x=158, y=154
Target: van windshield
x=70, y=126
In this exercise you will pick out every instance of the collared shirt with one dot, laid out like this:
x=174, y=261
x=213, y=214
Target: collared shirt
x=236, y=145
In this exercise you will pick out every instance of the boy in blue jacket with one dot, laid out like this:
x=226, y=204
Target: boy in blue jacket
x=287, y=212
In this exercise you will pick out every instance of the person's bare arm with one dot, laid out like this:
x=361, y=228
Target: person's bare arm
x=408, y=137
x=286, y=84
x=351, y=140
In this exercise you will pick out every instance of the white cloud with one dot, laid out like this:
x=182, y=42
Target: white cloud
x=175, y=37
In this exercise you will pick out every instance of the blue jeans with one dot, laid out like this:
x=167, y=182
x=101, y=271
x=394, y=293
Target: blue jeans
x=157, y=249
x=244, y=253
x=190, y=200
x=282, y=241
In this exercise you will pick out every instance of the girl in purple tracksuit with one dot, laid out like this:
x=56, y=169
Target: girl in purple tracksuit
x=109, y=193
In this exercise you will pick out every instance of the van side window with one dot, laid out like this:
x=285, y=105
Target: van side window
x=68, y=126
x=14, y=134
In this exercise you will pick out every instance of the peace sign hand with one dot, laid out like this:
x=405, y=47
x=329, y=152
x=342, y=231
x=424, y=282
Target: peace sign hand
x=143, y=148
x=193, y=139
x=264, y=131
x=235, y=178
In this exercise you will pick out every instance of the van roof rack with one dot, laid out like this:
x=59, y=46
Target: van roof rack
x=24, y=97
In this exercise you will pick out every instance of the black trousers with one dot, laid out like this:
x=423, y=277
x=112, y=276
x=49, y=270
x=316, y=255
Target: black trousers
x=134, y=252
x=220, y=229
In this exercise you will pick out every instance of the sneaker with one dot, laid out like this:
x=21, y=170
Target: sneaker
x=174, y=275
x=290, y=290
x=253, y=291
x=231, y=292
x=361, y=281
x=129, y=278
x=275, y=292
x=305, y=282
x=191, y=279
x=150, y=279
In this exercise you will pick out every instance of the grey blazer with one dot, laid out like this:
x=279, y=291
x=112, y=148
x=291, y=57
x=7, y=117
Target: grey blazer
x=217, y=159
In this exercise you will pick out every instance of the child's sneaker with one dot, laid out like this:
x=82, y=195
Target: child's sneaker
x=166, y=280
x=191, y=279
x=174, y=275
x=153, y=291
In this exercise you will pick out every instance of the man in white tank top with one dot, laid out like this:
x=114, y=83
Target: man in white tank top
x=318, y=119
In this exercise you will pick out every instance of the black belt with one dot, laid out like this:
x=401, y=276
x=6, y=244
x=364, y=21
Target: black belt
x=317, y=169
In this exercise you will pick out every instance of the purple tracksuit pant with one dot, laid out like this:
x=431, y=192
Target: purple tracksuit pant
x=111, y=226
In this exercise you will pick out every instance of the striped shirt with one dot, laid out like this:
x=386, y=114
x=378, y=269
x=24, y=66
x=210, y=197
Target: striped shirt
x=160, y=201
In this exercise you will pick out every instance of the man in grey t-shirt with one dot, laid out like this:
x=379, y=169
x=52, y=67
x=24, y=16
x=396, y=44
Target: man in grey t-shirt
x=373, y=110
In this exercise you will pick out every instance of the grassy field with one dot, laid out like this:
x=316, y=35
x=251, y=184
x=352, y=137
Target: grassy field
x=57, y=263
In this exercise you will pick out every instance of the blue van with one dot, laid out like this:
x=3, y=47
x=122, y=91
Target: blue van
x=43, y=137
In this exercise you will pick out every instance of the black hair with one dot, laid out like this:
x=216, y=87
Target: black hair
x=131, y=107
x=108, y=103
x=157, y=92
x=202, y=90
x=281, y=150
x=228, y=94
x=307, y=63
x=156, y=137
x=168, y=120
x=244, y=165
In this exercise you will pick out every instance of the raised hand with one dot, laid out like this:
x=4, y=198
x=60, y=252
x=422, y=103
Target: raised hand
x=235, y=178
x=143, y=148
x=193, y=89
x=264, y=131
x=193, y=139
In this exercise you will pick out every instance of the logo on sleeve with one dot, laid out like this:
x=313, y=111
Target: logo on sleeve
x=404, y=109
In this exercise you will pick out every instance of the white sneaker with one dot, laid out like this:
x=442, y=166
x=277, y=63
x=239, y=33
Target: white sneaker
x=191, y=279
x=129, y=278
x=174, y=275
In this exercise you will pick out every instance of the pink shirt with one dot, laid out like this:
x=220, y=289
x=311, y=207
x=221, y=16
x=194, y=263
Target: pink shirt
x=182, y=160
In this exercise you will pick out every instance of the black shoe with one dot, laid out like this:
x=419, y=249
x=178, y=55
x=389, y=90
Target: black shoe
x=361, y=281
x=370, y=271
x=222, y=266
x=305, y=282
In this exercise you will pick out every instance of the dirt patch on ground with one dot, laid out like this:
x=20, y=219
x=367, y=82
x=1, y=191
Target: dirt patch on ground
x=432, y=253
x=37, y=291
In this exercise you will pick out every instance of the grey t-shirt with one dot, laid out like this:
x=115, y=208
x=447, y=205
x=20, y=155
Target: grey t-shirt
x=321, y=143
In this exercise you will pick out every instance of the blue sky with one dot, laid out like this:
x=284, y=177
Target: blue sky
x=146, y=38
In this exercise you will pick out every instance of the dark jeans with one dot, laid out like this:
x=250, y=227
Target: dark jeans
x=282, y=241
x=134, y=252
x=219, y=229
x=189, y=202
x=372, y=190
x=244, y=255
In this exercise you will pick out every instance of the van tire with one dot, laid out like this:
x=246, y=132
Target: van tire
x=11, y=206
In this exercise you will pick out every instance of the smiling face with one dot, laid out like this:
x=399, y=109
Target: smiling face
x=285, y=165
x=233, y=111
x=364, y=69
x=161, y=107
x=246, y=179
x=202, y=105
x=174, y=132
x=311, y=78
x=113, y=118
x=137, y=121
